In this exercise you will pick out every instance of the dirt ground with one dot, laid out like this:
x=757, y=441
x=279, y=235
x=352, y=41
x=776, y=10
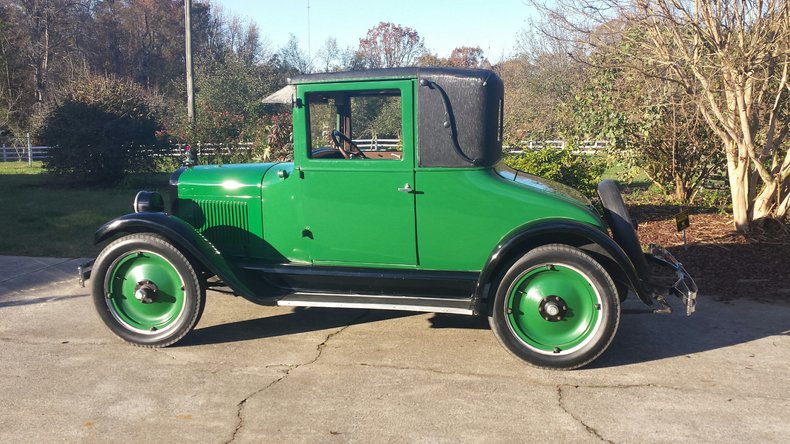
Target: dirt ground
x=723, y=262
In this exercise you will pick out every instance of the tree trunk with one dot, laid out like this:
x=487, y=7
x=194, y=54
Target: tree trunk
x=681, y=189
x=737, y=172
x=773, y=200
x=784, y=205
x=766, y=200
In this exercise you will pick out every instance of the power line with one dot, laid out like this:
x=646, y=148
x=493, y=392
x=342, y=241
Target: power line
x=309, y=52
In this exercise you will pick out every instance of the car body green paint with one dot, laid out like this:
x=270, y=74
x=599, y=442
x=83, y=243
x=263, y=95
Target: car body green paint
x=462, y=213
x=223, y=202
x=352, y=209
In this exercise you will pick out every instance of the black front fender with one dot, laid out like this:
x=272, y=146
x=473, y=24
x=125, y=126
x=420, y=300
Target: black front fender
x=185, y=238
x=523, y=239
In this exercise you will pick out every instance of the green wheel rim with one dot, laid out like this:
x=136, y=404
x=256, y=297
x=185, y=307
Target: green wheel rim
x=166, y=307
x=574, y=330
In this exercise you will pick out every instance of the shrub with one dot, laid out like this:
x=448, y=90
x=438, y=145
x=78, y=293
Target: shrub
x=561, y=166
x=100, y=131
x=279, y=137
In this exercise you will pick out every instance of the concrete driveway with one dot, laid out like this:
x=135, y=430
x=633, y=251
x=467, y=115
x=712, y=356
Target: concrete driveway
x=253, y=374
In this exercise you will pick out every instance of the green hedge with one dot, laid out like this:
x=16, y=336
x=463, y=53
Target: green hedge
x=577, y=171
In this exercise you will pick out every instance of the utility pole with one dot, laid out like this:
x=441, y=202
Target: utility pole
x=188, y=47
x=29, y=151
x=309, y=53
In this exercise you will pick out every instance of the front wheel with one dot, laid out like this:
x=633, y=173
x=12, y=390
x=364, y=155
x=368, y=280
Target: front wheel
x=146, y=291
x=556, y=307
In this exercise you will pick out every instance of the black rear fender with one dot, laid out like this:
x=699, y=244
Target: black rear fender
x=585, y=237
x=184, y=237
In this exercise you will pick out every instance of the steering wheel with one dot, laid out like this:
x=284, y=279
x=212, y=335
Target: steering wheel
x=338, y=138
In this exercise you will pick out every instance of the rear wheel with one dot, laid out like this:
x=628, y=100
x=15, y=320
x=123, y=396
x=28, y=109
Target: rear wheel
x=556, y=307
x=146, y=291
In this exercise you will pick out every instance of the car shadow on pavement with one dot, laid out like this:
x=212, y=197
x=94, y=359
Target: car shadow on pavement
x=442, y=320
x=715, y=325
x=641, y=337
x=301, y=320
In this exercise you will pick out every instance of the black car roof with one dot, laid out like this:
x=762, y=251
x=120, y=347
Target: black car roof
x=391, y=74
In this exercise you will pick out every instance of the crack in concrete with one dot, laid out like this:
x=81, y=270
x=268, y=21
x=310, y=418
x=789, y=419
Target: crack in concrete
x=284, y=368
x=243, y=402
x=291, y=367
x=589, y=429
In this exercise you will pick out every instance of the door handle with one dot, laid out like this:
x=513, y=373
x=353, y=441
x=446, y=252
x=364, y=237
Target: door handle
x=406, y=189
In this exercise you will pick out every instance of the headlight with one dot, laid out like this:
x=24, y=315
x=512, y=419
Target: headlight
x=148, y=201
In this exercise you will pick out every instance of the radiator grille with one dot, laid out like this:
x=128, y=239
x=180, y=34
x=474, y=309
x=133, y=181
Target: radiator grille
x=225, y=224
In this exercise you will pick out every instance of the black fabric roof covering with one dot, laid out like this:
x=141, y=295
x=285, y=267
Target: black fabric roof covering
x=389, y=74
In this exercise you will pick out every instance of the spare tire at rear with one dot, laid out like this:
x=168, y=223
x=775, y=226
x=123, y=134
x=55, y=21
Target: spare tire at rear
x=623, y=230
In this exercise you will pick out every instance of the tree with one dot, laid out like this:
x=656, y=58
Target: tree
x=40, y=43
x=140, y=39
x=467, y=57
x=675, y=146
x=293, y=59
x=651, y=123
x=731, y=57
x=388, y=45
x=10, y=91
x=103, y=129
x=45, y=45
x=460, y=57
x=334, y=58
x=540, y=87
x=229, y=100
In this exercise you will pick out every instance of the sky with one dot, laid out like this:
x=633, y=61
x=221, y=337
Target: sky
x=444, y=25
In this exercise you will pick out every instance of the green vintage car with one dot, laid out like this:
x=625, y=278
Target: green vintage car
x=396, y=199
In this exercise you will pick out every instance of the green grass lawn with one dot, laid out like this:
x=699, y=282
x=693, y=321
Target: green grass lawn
x=41, y=217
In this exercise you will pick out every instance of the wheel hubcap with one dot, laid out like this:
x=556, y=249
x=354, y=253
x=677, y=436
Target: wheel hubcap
x=145, y=292
x=553, y=309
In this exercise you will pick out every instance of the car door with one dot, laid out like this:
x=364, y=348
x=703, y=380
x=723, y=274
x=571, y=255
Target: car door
x=358, y=204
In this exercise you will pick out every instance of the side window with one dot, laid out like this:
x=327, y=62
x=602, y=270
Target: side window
x=355, y=125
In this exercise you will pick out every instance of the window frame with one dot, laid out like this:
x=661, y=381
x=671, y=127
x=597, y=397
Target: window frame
x=404, y=88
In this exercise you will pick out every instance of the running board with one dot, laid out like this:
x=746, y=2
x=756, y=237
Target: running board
x=378, y=302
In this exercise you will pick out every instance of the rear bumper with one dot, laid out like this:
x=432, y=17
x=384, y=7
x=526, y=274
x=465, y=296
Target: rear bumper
x=684, y=287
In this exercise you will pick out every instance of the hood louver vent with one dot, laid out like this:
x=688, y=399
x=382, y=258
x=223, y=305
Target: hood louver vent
x=223, y=223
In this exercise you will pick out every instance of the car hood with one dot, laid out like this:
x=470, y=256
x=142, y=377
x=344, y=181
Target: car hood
x=237, y=180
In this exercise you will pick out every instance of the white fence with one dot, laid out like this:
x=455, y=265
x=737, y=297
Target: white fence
x=211, y=149
x=587, y=147
x=22, y=154
x=590, y=147
x=376, y=144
